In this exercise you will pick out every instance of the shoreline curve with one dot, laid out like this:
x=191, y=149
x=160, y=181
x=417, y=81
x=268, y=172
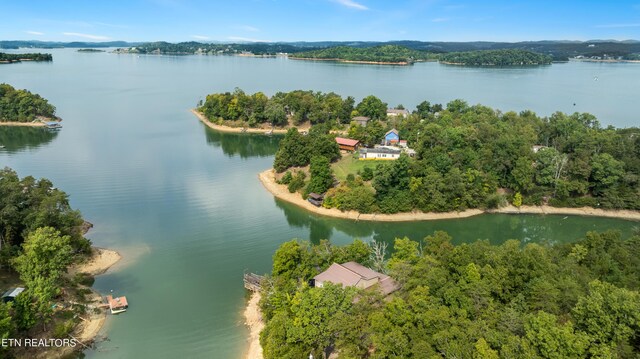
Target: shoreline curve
x=222, y=128
x=281, y=192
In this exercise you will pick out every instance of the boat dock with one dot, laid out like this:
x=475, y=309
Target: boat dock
x=117, y=305
x=252, y=281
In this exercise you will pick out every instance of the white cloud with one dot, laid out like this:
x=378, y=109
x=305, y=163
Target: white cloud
x=86, y=36
x=200, y=37
x=610, y=26
x=351, y=4
x=38, y=33
x=245, y=39
x=440, y=19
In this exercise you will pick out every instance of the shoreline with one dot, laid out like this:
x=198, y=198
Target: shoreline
x=85, y=332
x=22, y=124
x=222, y=128
x=280, y=191
x=253, y=320
x=401, y=63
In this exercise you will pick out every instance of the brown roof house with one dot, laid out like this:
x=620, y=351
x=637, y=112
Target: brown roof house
x=347, y=144
x=352, y=274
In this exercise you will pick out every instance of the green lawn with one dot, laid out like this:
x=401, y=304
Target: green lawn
x=347, y=164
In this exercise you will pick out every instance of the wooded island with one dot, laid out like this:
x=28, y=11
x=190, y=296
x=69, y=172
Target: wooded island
x=11, y=58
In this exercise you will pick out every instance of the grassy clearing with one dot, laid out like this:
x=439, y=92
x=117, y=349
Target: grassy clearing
x=348, y=164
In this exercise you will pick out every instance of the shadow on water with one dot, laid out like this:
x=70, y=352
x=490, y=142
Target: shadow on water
x=497, y=228
x=245, y=145
x=16, y=139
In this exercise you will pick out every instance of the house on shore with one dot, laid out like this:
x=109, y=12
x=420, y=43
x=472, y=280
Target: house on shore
x=361, y=120
x=391, y=138
x=395, y=112
x=353, y=274
x=347, y=144
x=379, y=153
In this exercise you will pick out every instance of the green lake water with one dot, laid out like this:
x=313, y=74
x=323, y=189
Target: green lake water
x=183, y=204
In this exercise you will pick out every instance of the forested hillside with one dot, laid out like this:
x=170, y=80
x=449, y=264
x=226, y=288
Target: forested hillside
x=477, y=157
x=41, y=235
x=382, y=54
x=22, y=105
x=474, y=300
x=510, y=57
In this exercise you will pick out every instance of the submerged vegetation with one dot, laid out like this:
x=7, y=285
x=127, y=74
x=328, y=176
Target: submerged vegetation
x=22, y=105
x=474, y=300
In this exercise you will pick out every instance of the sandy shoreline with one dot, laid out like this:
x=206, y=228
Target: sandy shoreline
x=23, y=124
x=280, y=191
x=222, y=128
x=402, y=63
x=253, y=320
x=86, y=332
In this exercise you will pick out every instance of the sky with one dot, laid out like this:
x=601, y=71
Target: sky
x=318, y=20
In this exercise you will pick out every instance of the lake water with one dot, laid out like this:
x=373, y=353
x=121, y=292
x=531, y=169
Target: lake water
x=183, y=204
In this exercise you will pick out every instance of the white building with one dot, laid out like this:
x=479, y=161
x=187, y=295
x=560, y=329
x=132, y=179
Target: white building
x=380, y=153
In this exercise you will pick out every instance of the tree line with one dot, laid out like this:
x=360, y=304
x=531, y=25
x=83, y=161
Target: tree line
x=193, y=47
x=474, y=300
x=506, y=57
x=40, y=235
x=295, y=107
x=22, y=105
x=4, y=57
x=382, y=53
x=464, y=154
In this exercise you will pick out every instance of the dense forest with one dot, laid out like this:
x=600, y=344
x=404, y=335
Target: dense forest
x=510, y=57
x=294, y=107
x=22, y=105
x=192, y=47
x=477, y=157
x=40, y=235
x=473, y=300
x=382, y=54
x=10, y=58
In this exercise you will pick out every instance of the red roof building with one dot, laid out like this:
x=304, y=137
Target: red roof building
x=347, y=144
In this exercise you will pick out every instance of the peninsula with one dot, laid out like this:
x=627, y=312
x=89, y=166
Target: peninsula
x=23, y=108
x=384, y=55
x=47, y=269
x=456, y=161
x=12, y=58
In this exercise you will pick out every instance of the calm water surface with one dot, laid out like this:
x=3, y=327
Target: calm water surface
x=183, y=204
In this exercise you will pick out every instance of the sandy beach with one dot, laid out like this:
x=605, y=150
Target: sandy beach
x=23, y=124
x=280, y=191
x=253, y=320
x=234, y=129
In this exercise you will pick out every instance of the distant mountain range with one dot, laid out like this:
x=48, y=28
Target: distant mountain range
x=558, y=49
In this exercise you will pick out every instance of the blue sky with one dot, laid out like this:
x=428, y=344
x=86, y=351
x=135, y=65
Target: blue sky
x=316, y=20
